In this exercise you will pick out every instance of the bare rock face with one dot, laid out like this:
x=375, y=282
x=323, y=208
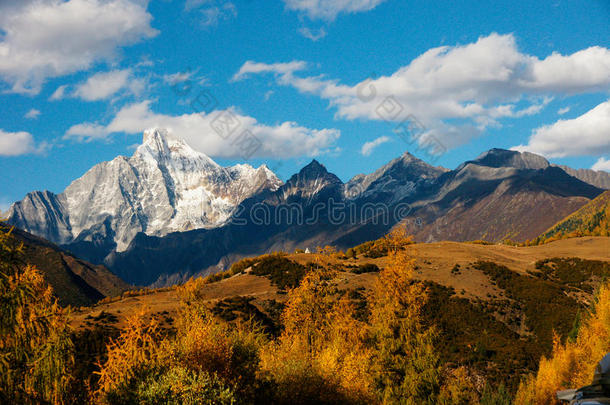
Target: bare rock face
x=400, y=178
x=165, y=187
x=169, y=212
x=599, y=179
x=497, y=158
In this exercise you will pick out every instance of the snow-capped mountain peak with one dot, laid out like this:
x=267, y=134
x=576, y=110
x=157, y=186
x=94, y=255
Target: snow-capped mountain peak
x=166, y=186
x=161, y=144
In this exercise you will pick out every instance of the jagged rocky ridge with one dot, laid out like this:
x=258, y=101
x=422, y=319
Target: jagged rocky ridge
x=154, y=239
x=596, y=178
x=482, y=199
x=164, y=187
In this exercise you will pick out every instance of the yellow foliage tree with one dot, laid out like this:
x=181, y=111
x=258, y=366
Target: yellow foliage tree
x=206, y=356
x=321, y=356
x=231, y=351
x=36, y=352
x=407, y=367
x=137, y=350
x=459, y=389
x=572, y=363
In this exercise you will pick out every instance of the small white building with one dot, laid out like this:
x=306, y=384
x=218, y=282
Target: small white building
x=307, y=250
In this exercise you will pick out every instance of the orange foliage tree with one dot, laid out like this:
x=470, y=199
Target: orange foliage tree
x=36, y=352
x=407, y=368
x=321, y=355
x=572, y=363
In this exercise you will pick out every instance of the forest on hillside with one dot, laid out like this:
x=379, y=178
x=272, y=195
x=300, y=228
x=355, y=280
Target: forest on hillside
x=324, y=345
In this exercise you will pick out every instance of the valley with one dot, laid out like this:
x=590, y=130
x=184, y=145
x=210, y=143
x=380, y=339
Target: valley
x=464, y=300
x=434, y=261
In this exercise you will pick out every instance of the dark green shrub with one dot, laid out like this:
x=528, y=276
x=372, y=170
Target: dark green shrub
x=282, y=272
x=366, y=268
x=174, y=386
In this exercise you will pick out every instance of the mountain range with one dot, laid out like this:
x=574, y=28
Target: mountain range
x=169, y=212
x=164, y=187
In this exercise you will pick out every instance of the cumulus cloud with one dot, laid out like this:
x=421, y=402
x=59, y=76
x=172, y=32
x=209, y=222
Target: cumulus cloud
x=369, y=147
x=564, y=110
x=455, y=89
x=104, y=85
x=50, y=38
x=216, y=134
x=584, y=135
x=584, y=70
x=329, y=9
x=602, y=164
x=18, y=143
x=32, y=114
x=59, y=93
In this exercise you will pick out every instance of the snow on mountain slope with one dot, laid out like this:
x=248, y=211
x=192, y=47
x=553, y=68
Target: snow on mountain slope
x=166, y=186
x=397, y=179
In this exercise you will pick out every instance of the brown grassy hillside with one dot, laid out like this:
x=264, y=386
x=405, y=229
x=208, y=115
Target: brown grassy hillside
x=591, y=220
x=75, y=282
x=496, y=306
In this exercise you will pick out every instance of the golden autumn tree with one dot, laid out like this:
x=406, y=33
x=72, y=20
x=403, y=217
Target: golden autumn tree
x=207, y=360
x=138, y=351
x=36, y=352
x=406, y=366
x=321, y=357
x=209, y=345
x=572, y=364
x=348, y=355
x=145, y=366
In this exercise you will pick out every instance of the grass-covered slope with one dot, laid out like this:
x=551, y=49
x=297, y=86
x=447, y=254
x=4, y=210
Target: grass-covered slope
x=591, y=220
x=495, y=307
x=74, y=281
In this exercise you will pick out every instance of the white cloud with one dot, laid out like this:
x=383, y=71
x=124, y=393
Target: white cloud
x=313, y=34
x=283, y=140
x=104, y=85
x=32, y=114
x=213, y=12
x=188, y=78
x=213, y=15
x=268, y=95
x=588, y=134
x=17, y=143
x=563, y=110
x=51, y=38
x=59, y=93
x=178, y=77
x=368, y=147
x=602, y=164
x=455, y=89
x=329, y=9
x=585, y=70
x=281, y=69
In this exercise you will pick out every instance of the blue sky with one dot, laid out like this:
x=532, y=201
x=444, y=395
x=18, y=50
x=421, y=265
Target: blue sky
x=331, y=80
